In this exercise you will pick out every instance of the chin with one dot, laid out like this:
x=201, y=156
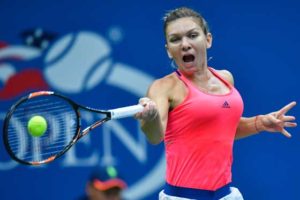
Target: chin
x=189, y=66
x=189, y=69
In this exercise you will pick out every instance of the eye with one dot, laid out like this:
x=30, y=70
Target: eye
x=193, y=35
x=174, y=39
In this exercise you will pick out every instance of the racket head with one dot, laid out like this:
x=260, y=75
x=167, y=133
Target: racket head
x=63, y=128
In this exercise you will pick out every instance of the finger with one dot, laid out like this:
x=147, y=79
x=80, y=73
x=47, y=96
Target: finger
x=273, y=120
x=138, y=116
x=286, y=108
x=285, y=133
x=288, y=118
x=144, y=100
x=290, y=124
x=152, y=109
x=151, y=105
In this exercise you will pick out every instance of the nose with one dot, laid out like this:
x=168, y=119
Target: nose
x=185, y=45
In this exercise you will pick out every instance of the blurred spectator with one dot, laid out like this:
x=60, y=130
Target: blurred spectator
x=104, y=184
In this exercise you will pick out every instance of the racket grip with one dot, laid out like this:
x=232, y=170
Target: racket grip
x=128, y=111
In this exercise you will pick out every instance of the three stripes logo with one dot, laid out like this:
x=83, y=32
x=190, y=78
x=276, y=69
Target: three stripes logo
x=225, y=105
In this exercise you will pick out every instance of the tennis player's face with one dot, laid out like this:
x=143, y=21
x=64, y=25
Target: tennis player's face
x=187, y=44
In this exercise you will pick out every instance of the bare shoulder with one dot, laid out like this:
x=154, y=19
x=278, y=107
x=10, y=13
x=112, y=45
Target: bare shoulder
x=227, y=75
x=169, y=90
x=163, y=85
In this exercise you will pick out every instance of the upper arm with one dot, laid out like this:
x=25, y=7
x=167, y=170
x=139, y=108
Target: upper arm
x=159, y=92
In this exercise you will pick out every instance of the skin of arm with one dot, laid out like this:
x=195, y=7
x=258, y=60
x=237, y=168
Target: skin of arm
x=161, y=96
x=153, y=119
x=272, y=122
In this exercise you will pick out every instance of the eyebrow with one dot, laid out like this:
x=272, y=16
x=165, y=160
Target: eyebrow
x=176, y=34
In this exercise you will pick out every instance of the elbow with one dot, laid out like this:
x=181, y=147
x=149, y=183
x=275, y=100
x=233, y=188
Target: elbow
x=155, y=141
x=153, y=138
x=154, y=134
x=237, y=137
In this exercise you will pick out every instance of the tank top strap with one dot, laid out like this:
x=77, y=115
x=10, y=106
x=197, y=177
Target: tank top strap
x=182, y=78
x=220, y=78
x=213, y=71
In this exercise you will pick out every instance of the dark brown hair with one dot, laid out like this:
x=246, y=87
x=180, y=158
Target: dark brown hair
x=185, y=12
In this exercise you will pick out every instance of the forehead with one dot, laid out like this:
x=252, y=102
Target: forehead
x=182, y=25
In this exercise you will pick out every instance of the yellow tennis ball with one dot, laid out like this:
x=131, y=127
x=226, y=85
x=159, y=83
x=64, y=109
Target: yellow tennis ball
x=37, y=126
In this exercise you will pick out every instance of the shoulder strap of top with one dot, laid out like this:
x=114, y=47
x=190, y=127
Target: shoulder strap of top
x=219, y=77
x=213, y=71
x=181, y=77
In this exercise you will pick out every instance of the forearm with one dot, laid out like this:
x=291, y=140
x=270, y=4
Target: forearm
x=272, y=122
x=248, y=126
x=153, y=130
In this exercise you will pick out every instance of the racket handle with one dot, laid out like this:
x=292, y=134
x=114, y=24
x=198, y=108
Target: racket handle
x=128, y=111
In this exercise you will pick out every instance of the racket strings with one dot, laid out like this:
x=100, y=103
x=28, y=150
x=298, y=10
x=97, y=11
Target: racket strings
x=59, y=144
x=14, y=139
x=62, y=127
x=32, y=157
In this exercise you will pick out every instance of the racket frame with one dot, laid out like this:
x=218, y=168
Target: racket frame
x=79, y=134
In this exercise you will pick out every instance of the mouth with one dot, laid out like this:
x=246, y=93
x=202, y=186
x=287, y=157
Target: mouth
x=188, y=58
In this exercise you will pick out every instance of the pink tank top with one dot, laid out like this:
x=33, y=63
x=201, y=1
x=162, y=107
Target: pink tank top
x=199, y=137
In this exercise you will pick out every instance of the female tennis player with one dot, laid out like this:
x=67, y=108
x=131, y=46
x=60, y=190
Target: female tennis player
x=197, y=111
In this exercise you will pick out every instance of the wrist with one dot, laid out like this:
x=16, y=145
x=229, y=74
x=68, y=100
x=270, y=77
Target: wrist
x=258, y=124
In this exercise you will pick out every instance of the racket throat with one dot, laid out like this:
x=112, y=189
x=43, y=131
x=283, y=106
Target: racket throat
x=93, y=126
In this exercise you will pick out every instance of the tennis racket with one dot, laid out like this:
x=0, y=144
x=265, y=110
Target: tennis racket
x=62, y=116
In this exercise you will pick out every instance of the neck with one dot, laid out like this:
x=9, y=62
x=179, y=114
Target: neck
x=201, y=74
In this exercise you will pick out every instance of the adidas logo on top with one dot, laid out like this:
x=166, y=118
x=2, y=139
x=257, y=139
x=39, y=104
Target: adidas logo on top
x=225, y=105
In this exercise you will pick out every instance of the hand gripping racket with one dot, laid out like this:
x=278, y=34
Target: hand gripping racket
x=62, y=117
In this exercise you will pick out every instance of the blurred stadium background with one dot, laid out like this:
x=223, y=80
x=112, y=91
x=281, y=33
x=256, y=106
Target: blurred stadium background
x=106, y=53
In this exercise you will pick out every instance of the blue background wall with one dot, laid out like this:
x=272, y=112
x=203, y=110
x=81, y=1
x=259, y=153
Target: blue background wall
x=256, y=40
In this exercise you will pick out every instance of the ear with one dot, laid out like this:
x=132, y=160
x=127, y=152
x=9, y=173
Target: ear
x=168, y=52
x=209, y=40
